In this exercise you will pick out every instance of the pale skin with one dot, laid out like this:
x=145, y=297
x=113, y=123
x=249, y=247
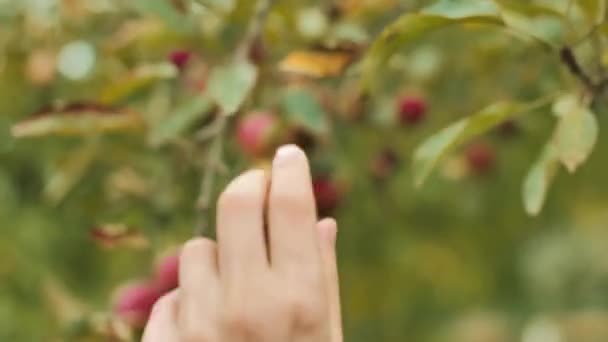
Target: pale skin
x=270, y=277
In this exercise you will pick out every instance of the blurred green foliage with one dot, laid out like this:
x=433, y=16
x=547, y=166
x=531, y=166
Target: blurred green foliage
x=101, y=123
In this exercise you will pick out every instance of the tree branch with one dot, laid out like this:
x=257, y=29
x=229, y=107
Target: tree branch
x=569, y=59
x=214, y=163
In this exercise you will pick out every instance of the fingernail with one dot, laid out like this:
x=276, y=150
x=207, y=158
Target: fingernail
x=285, y=153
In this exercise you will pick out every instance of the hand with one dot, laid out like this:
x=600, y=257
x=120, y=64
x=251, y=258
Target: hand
x=271, y=276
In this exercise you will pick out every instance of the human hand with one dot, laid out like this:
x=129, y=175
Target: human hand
x=271, y=276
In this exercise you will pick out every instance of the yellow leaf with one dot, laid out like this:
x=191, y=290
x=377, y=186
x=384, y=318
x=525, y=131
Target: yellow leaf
x=316, y=63
x=111, y=236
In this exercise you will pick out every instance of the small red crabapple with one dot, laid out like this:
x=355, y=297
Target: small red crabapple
x=412, y=109
x=180, y=58
x=133, y=303
x=327, y=195
x=481, y=158
x=167, y=273
x=255, y=131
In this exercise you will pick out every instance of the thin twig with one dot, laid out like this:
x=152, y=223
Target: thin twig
x=255, y=28
x=594, y=88
x=214, y=163
x=569, y=59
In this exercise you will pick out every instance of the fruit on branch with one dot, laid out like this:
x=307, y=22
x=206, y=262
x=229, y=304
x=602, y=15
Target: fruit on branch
x=411, y=109
x=180, y=58
x=327, y=193
x=167, y=273
x=255, y=132
x=133, y=303
x=481, y=158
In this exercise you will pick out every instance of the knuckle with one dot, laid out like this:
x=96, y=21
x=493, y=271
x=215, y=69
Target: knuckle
x=236, y=199
x=306, y=313
x=241, y=323
x=245, y=190
x=195, y=245
x=194, y=334
x=294, y=202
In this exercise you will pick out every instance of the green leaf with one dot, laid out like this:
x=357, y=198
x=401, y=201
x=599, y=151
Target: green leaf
x=303, y=109
x=180, y=120
x=539, y=179
x=136, y=82
x=409, y=28
x=122, y=91
x=575, y=137
x=540, y=22
x=595, y=10
x=428, y=154
x=458, y=9
x=230, y=85
x=167, y=12
x=565, y=104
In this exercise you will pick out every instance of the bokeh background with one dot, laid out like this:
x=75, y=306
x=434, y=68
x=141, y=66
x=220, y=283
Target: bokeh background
x=109, y=126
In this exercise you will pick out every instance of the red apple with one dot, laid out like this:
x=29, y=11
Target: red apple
x=481, y=158
x=134, y=303
x=411, y=109
x=327, y=195
x=255, y=132
x=167, y=273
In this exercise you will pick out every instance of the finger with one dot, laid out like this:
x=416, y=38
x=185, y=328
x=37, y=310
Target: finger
x=328, y=230
x=291, y=212
x=198, y=281
x=240, y=227
x=162, y=326
x=198, y=268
